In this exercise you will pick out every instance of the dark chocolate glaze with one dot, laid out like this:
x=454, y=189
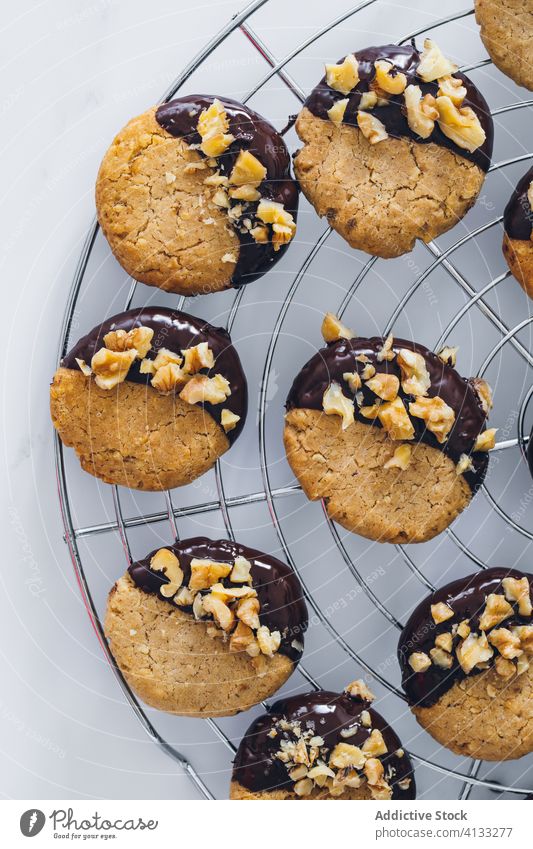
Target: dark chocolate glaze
x=253, y=133
x=325, y=713
x=530, y=452
x=518, y=217
x=406, y=59
x=330, y=363
x=279, y=591
x=174, y=330
x=466, y=597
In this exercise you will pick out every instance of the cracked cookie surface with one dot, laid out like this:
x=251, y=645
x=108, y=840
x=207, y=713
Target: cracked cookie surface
x=507, y=33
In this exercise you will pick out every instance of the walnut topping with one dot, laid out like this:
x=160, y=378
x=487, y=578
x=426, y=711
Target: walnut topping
x=486, y=440
x=205, y=573
x=453, y=88
x=245, y=193
x=202, y=389
x=441, y=658
x=375, y=744
x=222, y=614
x=242, y=638
x=164, y=357
x=336, y=113
x=472, y=651
x=170, y=178
x=419, y=661
x=359, y=690
x=463, y=629
x=484, y=393
x=198, y=357
x=518, y=590
x=229, y=420
x=84, y=368
x=444, y=641
x=248, y=612
x=221, y=199
x=525, y=635
x=386, y=352
x=448, y=356
x=379, y=787
x=421, y=111
x=166, y=561
x=248, y=170
x=464, y=464
x=415, y=376
x=394, y=419
x=213, y=126
x=111, y=367
x=400, y=459
x=343, y=77
x=371, y=127
x=438, y=416
x=168, y=378
x=496, y=610
x=368, y=371
x=333, y=329
x=507, y=643
x=184, y=597
x=530, y=194
x=269, y=641
x=388, y=78
x=353, y=380
x=344, y=756
x=283, y=224
x=522, y=665
x=440, y=612
x=460, y=124
x=385, y=386
x=371, y=412
x=334, y=403
x=139, y=338
x=504, y=668
x=433, y=64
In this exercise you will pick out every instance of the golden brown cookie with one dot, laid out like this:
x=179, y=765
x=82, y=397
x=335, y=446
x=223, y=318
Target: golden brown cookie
x=196, y=196
x=517, y=238
x=322, y=745
x=205, y=627
x=388, y=434
x=150, y=399
x=507, y=33
x=396, y=146
x=465, y=656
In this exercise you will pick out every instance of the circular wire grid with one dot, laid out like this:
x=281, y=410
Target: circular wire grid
x=445, y=292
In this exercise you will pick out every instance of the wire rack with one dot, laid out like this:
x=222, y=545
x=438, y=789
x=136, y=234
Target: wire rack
x=358, y=593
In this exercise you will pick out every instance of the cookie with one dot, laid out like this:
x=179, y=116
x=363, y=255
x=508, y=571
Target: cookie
x=196, y=196
x=464, y=655
x=322, y=745
x=507, y=33
x=517, y=237
x=388, y=434
x=150, y=398
x=206, y=627
x=396, y=146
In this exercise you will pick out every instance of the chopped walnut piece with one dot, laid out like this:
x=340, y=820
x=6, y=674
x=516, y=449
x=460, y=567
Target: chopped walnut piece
x=111, y=367
x=201, y=389
x=379, y=787
x=283, y=224
x=368, y=100
x=139, y=338
x=484, y=393
x=525, y=635
x=336, y=113
x=385, y=386
x=213, y=126
x=444, y=641
x=394, y=419
x=229, y=420
x=333, y=329
x=371, y=412
x=353, y=380
x=486, y=440
x=358, y=690
x=415, y=376
x=368, y=371
x=184, y=597
x=198, y=606
x=472, y=651
x=386, y=352
x=504, y=668
x=334, y=403
x=464, y=464
x=371, y=127
x=419, y=661
x=205, y=573
x=463, y=629
x=518, y=590
x=241, y=638
x=84, y=368
x=453, y=88
x=231, y=593
x=388, y=78
x=522, y=665
x=164, y=357
x=433, y=64
x=375, y=744
x=222, y=614
x=169, y=378
x=259, y=234
x=438, y=416
x=530, y=194
x=241, y=571
x=448, y=356
x=303, y=787
x=421, y=111
x=245, y=193
x=441, y=658
x=344, y=755
x=198, y=357
x=496, y=610
x=507, y=643
x=400, y=459
x=170, y=178
x=460, y=124
x=343, y=77
x=248, y=612
x=440, y=612
x=269, y=641
x=166, y=561
x=248, y=170
x=221, y=199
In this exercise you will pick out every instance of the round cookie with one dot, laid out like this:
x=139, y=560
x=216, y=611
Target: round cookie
x=507, y=33
x=389, y=168
x=206, y=627
x=150, y=398
x=518, y=232
x=464, y=655
x=322, y=745
x=386, y=433
x=196, y=196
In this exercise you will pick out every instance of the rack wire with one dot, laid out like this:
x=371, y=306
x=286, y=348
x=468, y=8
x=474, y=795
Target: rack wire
x=446, y=259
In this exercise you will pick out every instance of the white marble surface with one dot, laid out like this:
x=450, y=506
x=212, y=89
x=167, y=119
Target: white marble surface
x=73, y=72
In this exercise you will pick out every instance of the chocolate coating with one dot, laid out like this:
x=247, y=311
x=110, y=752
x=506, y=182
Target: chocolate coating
x=518, y=216
x=466, y=597
x=252, y=132
x=406, y=59
x=174, y=330
x=530, y=452
x=279, y=591
x=326, y=713
x=330, y=363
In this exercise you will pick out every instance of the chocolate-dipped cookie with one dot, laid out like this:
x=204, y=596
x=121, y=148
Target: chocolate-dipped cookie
x=464, y=655
x=396, y=146
x=196, y=196
x=388, y=434
x=150, y=398
x=206, y=627
x=517, y=237
x=322, y=745
x=507, y=33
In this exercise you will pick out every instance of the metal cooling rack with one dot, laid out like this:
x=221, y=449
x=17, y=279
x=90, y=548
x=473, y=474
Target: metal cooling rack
x=443, y=273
